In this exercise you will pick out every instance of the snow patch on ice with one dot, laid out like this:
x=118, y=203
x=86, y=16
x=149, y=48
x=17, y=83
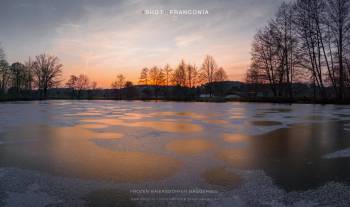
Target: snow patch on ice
x=338, y=154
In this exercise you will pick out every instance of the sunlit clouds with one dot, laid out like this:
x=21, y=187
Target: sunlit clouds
x=102, y=40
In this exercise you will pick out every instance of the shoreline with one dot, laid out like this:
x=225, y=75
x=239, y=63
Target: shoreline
x=198, y=100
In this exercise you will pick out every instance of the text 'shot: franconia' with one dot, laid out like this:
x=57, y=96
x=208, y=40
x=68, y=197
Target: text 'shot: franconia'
x=176, y=12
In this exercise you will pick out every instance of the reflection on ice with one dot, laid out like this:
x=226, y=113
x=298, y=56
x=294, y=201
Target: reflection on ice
x=234, y=138
x=215, y=121
x=172, y=143
x=266, y=123
x=179, y=127
x=181, y=114
x=189, y=146
x=237, y=158
x=92, y=126
x=107, y=135
x=68, y=151
x=222, y=177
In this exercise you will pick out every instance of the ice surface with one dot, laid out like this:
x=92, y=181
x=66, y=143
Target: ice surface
x=136, y=127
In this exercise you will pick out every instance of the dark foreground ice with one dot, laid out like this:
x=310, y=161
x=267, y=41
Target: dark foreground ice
x=29, y=188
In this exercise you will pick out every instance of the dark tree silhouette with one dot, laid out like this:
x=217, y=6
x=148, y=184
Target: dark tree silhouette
x=220, y=75
x=338, y=20
x=167, y=74
x=119, y=83
x=179, y=75
x=47, y=71
x=144, y=79
x=18, y=76
x=156, y=76
x=307, y=40
x=4, y=71
x=78, y=84
x=192, y=75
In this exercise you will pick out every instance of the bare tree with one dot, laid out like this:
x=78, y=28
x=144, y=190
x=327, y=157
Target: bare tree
x=338, y=20
x=28, y=74
x=179, y=75
x=220, y=75
x=209, y=67
x=167, y=74
x=4, y=74
x=286, y=42
x=274, y=52
x=265, y=58
x=156, y=76
x=72, y=82
x=47, y=71
x=191, y=73
x=157, y=79
x=83, y=83
x=253, y=80
x=144, y=79
x=253, y=75
x=119, y=83
x=78, y=84
x=128, y=84
x=2, y=53
x=4, y=71
x=309, y=38
x=18, y=75
x=314, y=51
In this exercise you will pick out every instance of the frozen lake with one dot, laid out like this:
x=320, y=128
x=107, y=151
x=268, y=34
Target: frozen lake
x=118, y=153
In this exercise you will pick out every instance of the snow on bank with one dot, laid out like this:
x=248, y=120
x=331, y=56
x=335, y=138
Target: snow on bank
x=32, y=197
x=260, y=190
x=26, y=186
x=338, y=154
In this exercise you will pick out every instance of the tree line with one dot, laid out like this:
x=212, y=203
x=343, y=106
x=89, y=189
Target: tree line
x=185, y=76
x=44, y=72
x=306, y=41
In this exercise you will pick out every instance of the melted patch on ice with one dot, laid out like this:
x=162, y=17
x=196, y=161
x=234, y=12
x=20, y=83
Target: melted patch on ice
x=338, y=154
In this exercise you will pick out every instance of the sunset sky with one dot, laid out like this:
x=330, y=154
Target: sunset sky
x=102, y=38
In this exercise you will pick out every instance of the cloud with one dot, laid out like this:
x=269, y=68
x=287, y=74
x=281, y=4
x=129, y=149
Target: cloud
x=114, y=36
x=187, y=40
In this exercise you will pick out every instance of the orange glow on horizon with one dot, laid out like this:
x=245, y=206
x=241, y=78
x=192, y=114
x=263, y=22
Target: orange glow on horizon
x=105, y=76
